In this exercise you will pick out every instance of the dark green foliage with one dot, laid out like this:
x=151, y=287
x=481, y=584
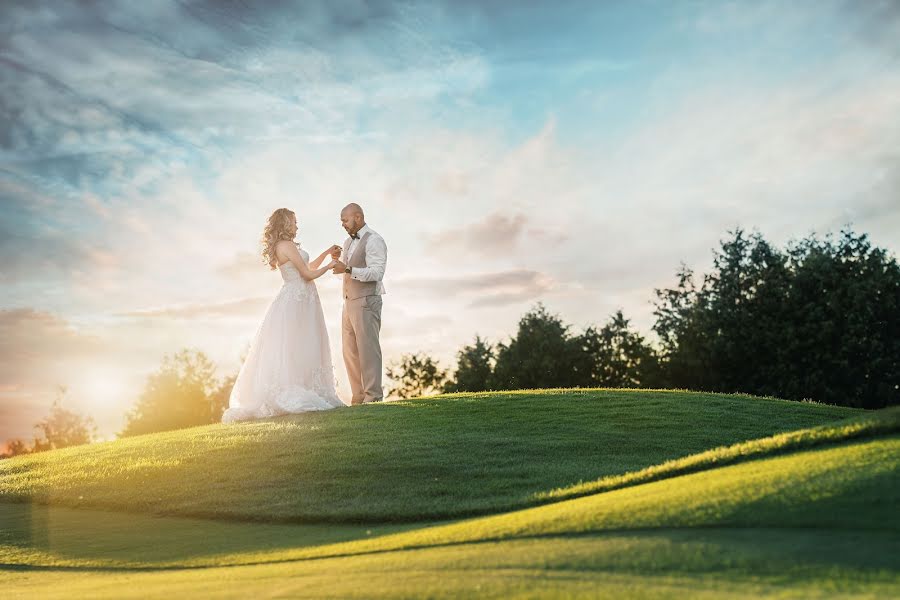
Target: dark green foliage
x=619, y=356
x=820, y=320
x=474, y=368
x=543, y=354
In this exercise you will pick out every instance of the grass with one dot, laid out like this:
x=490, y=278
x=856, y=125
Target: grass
x=862, y=426
x=660, y=564
x=631, y=494
x=427, y=459
x=811, y=523
x=36, y=535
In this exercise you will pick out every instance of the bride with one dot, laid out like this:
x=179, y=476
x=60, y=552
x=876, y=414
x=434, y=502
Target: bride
x=288, y=368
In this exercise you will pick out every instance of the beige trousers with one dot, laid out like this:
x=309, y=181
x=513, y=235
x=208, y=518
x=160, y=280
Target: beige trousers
x=360, y=328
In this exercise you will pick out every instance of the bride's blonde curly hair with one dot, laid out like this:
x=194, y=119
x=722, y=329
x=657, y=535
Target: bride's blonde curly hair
x=278, y=228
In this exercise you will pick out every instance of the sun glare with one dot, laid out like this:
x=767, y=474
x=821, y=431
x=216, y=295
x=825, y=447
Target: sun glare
x=102, y=388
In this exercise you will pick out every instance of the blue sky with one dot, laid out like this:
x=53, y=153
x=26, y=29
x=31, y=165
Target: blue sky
x=566, y=152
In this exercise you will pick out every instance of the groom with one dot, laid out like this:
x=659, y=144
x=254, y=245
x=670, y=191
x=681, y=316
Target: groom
x=362, y=266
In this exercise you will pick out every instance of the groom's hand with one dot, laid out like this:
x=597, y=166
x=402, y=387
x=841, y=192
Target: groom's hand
x=339, y=268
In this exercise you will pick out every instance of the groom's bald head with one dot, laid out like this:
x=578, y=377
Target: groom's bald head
x=354, y=209
x=352, y=218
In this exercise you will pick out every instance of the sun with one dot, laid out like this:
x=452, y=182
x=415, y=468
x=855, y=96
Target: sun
x=102, y=389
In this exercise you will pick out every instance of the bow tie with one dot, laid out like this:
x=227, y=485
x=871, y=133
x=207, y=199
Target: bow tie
x=354, y=236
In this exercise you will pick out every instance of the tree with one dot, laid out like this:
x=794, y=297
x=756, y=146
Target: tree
x=543, y=354
x=474, y=369
x=180, y=394
x=819, y=320
x=15, y=447
x=842, y=317
x=620, y=356
x=61, y=428
x=684, y=349
x=416, y=375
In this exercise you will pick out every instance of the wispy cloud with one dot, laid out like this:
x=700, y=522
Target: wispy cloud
x=26, y=334
x=241, y=307
x=483, y=289
x=497, y=232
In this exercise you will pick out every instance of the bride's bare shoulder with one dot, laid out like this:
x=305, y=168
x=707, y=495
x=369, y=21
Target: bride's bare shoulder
x=285, y=246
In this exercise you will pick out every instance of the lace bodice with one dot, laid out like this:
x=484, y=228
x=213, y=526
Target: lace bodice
x=294, y=285
x=289, y=272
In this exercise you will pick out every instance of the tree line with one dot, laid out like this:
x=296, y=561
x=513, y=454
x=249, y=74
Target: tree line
x=819, y=319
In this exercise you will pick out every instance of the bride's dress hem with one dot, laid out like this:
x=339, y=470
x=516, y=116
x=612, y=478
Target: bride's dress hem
x=292, y=401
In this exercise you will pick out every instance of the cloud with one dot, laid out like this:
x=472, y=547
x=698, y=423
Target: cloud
x=26, y=333
x=187, y=83
x=243, y=265
x=483, y=289
x=239, y=307
x=39, y=238
x=874, y=23
x=497, y=232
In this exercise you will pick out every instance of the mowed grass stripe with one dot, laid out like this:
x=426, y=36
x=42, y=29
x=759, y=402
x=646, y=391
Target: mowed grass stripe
x=694, y=563
x=867, y=425
x=853, y=487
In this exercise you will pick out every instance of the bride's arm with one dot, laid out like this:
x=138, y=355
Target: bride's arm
x=314, y=263
x=290, y=250
x=318, y=261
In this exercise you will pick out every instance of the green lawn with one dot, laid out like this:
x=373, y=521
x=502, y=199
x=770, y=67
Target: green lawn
x=403, y=461
x=808, y=523
x=810, y=513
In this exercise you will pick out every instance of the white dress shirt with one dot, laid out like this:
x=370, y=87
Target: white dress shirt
x=376, y=258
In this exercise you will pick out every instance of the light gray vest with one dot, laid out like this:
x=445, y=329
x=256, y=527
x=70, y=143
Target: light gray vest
x=354, y=289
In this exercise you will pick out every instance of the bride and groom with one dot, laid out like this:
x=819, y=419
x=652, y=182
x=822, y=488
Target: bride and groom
x=288, y=368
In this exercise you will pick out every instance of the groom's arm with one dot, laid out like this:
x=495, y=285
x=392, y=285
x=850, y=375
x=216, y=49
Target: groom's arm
x=376, y=261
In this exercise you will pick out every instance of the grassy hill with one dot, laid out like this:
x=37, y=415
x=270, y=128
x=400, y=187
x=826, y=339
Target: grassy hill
x=661, y=494
x=432, y=458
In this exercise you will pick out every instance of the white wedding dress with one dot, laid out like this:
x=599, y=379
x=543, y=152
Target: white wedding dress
x=288, y=368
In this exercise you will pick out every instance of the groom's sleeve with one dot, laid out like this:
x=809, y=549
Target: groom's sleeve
x=376, y=262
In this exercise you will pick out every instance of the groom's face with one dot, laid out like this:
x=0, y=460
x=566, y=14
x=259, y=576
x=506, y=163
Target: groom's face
x=351, y=221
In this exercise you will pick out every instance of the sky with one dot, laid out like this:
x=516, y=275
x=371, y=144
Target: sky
x=570, y=153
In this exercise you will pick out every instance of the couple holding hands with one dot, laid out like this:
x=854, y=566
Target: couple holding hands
x=288, y=368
